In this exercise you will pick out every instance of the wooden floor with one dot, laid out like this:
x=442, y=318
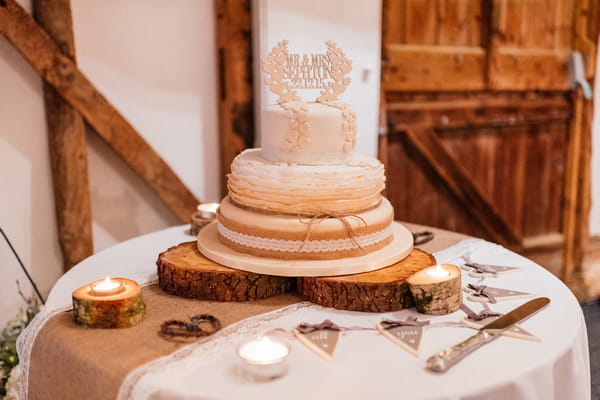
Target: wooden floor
x=586, y=284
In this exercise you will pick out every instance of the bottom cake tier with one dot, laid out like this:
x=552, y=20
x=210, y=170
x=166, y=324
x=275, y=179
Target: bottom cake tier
x=296, y=237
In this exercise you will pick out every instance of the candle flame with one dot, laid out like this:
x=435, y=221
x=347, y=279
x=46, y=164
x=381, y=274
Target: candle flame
x=437, y=271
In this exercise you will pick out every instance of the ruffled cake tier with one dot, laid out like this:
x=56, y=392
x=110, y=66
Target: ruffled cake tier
x=305, y=189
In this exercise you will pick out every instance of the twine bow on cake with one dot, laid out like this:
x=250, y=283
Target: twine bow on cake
x=318, y=218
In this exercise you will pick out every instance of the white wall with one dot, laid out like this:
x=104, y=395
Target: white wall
x=353, y=24
x=155, y=61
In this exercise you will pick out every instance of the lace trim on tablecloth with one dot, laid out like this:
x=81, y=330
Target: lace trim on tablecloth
x=211, y=344
x=27, y=338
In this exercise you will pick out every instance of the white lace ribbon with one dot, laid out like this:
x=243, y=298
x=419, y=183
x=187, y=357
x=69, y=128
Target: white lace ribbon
x=310, y=246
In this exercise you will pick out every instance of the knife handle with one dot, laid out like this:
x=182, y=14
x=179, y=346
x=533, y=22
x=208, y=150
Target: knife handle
x=442, y=361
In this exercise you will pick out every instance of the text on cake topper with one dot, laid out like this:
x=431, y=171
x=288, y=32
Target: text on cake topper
x=286, y=72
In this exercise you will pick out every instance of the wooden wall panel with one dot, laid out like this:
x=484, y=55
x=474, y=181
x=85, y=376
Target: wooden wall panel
x=519, y=164
x=459, y=23
x=417, y=195
x=434, y=68
x=433, y=45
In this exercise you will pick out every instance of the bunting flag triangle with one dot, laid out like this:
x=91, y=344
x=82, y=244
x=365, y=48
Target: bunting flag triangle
x=322, y=341
x=515, y=331
x=406, y=337
x=493, y=294
x=477, y=270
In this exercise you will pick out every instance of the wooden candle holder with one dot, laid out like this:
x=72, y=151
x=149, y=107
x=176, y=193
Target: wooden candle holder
x=437, y=295
x=198, y=222
x=120, y=310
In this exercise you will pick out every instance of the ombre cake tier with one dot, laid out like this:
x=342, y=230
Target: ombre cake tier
x=305, y=189
x=293, y=237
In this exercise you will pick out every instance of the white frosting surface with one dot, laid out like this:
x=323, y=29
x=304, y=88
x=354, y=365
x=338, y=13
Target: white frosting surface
x=278, y=186
x=308, y=133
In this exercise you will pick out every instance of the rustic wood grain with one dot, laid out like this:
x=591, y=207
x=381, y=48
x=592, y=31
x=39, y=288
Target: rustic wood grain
x=508, y=125
x=383, y=290
x=572, y=185
x=417, y=67
x=499, y=150
x=183, y=271
x=436, y=296
x=122, y=310
x=236, y=105
x=462, y=186
x=58, y=70
x=67, y=144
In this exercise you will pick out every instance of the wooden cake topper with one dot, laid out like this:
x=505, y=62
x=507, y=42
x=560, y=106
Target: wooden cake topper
x=286, y=72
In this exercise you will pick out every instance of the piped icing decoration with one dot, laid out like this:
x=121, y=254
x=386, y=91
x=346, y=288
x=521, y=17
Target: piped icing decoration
x=298, y=135
x=348, y=124
x=286, y=72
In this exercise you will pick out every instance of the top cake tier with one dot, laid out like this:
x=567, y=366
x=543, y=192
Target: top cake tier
x=308, y=133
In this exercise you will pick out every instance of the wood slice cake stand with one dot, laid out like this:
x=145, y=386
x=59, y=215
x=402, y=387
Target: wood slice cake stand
x=184, y=272
x=383, y=290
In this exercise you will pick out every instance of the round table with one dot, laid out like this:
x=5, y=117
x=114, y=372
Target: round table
x=62, y=360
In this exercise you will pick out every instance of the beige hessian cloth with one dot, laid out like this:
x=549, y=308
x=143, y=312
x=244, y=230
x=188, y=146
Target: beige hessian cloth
x=73, y=362
x=93, y=362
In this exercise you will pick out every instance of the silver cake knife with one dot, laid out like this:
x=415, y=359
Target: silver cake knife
x=445, y=359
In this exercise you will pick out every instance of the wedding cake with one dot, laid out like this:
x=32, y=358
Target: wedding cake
x=305, y=194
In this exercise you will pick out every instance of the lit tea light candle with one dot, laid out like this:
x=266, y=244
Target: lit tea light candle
x=106, y=287
x=437, y=271
x=264, y=358
x=208, y=210
x=437, y=289
x=109, y=303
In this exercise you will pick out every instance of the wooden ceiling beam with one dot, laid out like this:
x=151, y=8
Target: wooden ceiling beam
x=67, y=144
x=58, y=70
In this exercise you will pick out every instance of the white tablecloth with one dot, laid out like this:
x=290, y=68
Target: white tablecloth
x=366, y=365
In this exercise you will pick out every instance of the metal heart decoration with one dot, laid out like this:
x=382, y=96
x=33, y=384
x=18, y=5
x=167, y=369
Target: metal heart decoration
x=286, y=72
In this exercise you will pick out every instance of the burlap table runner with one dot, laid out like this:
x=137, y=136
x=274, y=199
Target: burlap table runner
x=73, y=362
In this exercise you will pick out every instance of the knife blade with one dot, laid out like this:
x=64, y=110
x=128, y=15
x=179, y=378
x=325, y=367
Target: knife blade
x=442, y=361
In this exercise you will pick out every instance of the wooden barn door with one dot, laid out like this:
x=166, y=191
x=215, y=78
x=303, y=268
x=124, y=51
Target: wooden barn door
x=484, y=133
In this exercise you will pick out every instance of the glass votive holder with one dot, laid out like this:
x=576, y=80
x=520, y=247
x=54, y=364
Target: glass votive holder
x=263, y=359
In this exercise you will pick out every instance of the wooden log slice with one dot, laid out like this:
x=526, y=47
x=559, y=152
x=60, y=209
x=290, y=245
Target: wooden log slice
x=377, y=291
x=122, y=310
x=184, y=272
x=437, y=296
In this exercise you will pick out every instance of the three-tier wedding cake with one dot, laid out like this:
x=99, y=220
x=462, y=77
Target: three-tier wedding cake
x=305, y=194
